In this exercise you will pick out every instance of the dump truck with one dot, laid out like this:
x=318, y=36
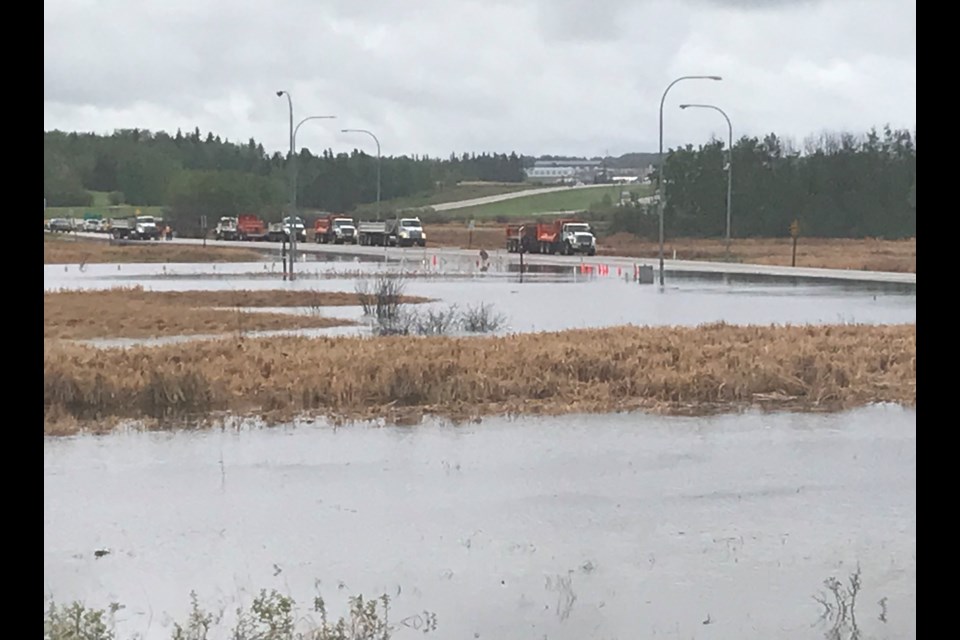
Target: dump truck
x=280, y=231
x=565, y=236
x=251, y=227
x=336, y=229
x=399, y=232
x=522, y=237
x=138, y=228
x=227, y=229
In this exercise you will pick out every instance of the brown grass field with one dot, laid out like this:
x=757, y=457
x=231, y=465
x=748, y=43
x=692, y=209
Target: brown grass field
x=673, y=370
x=827, y=253
x=68, y=250
x=138, y=313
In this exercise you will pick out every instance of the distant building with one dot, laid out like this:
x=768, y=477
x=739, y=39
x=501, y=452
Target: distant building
x=564, y=170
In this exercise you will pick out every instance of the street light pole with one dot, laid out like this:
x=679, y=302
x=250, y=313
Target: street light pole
x=378, y=160
x=729, y=159
x=661, y=190
x=293, y=176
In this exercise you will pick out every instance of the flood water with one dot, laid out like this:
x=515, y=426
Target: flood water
x=622, y=526
x=548, y=299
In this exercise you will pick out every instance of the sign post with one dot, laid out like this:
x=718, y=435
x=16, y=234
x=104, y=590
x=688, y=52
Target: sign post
x=470, y=227
x=203, y=229
x=521, y=252
x=794, y=233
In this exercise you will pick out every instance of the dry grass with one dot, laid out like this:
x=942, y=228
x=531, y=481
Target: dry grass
x=138, y=313
x=68, y=250
x=688, y=370
x=827, y=253
x=485, y=236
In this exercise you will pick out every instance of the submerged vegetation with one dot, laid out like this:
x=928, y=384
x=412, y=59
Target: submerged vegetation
x=384, y=303
x=270, y=616
x=670, y=369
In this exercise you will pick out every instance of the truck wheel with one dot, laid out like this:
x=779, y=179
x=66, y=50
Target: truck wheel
x=592, y=252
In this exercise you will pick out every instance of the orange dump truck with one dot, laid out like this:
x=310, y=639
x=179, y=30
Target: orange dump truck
x=336, y=229
x=250, y=227
x=566, y=236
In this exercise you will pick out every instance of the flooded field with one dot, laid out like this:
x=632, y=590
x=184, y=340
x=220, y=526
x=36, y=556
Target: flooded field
x=584, y=526
x=548, y=299
x=621, y=526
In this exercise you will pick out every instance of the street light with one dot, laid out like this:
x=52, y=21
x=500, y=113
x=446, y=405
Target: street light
x=661, y=191
x=293, y=174
x=729, y=158
x=378, y=160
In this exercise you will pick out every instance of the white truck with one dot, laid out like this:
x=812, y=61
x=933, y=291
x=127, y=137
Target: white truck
x=138, y=228
x=280, y=231
x=400, y=232
x=227, y=229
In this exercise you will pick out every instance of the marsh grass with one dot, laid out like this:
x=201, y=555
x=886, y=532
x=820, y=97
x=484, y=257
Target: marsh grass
x=138, y=313
x=680, y=370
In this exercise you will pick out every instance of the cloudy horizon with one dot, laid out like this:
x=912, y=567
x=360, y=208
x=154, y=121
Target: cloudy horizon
x=561, y=77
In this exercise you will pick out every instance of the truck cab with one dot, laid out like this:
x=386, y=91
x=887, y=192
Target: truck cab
x=577, y=237
x=410, y=232
x=227, y=229
x=294, y=225
x=335, y=229
x=344, y=230
x=145, y=227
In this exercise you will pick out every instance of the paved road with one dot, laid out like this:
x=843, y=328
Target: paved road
x=449, y=206
x=688, y=266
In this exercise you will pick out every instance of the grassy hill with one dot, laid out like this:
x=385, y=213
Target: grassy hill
x=101, y=205
x=567, y=200
x=462, y=191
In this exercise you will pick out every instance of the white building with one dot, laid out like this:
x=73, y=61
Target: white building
x=564, y=170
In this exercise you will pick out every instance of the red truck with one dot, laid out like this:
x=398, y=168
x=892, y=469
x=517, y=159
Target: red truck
x=336, y=229
x=566, y=236
x=250, y=227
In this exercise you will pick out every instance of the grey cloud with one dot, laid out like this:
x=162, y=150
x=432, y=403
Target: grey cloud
x=440, y=76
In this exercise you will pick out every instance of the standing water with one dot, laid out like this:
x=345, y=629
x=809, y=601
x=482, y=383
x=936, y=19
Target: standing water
x=621, y=526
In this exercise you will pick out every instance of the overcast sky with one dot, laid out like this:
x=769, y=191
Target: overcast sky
x=579, y=77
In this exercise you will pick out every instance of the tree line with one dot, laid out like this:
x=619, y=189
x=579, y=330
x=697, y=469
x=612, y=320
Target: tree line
x=837, y=185
x=195, y=173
